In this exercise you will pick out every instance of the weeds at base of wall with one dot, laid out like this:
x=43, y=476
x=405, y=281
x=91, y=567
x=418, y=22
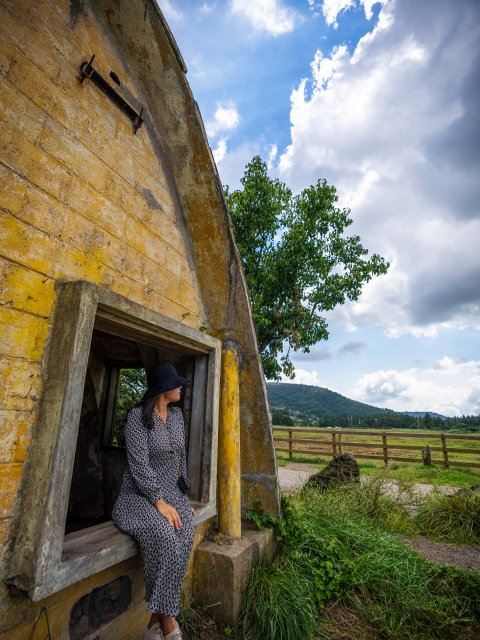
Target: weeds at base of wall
x=342, y=573
x=198, y=623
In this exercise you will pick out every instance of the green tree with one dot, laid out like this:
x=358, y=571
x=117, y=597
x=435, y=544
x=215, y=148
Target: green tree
x=297, y=261
x=281, y=419
x=427, y=421
x=131, y=387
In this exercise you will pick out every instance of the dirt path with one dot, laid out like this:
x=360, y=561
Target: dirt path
x=292, y=478
x=462, y=556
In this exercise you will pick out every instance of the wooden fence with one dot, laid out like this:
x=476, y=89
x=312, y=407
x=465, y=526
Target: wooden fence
x=337, y=445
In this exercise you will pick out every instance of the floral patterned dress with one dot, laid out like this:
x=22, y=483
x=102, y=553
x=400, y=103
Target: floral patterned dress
x=152, y=475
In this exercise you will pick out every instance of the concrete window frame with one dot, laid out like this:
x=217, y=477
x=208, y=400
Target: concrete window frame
x=54, y=561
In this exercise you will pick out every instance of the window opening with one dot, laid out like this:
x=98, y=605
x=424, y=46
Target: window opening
x=115, y=381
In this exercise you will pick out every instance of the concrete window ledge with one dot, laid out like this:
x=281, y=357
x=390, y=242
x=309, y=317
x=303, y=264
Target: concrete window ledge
x=91, y=550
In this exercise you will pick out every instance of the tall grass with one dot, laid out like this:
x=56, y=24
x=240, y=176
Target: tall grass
x=268, y=603
x=341, y=573
x=455, y=518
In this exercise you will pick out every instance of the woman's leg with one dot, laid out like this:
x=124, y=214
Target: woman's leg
x=169, y=624
x=153, y=620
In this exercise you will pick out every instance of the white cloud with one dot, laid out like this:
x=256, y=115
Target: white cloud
x=224, y=119
x=169, y=10
x=304, y=377
x=332, y=8
x=393, y=124
x=453, y=366
x=206, y=9
x=368, y=5
x=266, y=15
x=403, y=391
x=457, y=393
x=220, y=150
x=272, y=156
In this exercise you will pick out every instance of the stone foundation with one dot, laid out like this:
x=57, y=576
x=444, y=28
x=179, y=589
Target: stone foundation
x=221, y=572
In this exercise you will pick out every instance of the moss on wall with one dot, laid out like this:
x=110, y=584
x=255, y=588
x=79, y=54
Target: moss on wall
x=81, y=197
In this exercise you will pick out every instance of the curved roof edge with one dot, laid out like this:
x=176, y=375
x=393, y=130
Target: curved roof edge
x=175, y=124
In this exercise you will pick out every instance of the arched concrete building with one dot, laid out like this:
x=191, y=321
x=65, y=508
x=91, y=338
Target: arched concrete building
x=116, y=251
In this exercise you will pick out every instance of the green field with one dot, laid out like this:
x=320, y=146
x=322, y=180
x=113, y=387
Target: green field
x=415, y=471
x=322, y=444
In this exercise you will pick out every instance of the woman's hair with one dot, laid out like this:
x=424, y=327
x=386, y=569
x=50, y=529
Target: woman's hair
x=148, y=407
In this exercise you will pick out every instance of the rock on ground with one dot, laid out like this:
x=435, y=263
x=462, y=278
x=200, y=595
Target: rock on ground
x=344, y=468
x=471, y=493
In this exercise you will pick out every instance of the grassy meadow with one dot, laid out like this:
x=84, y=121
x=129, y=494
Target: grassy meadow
x=344, y=569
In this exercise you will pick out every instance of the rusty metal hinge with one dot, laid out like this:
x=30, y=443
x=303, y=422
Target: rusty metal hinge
x=120, y=96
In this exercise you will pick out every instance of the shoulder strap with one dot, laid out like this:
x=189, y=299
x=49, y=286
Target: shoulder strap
x=173, y=446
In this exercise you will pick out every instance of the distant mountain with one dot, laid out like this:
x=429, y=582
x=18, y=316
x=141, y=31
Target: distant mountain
x=421, y=414
x=317, y=401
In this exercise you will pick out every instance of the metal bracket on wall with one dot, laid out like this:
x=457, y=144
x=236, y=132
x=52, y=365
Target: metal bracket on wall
x=121, y=96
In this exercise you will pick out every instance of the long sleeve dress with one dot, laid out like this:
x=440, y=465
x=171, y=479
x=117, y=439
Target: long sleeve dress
x=152, y=475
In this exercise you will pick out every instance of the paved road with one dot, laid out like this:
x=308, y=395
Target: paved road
x=295, y=475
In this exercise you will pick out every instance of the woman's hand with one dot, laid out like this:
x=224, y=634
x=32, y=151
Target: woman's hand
x=169, y=513
x=193, y=511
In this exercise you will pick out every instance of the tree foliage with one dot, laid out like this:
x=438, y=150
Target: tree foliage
x=282, y=419
x=297, y=261
x=132, y=385
x=427, y=421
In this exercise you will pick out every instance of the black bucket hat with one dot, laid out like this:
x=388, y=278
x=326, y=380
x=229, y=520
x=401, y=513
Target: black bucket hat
x=161, y=378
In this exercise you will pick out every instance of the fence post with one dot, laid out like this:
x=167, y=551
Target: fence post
x=340, y=443
x=426, y=456
x=334, y=444
x=385, y=449
x=445, y=452
x=290, y=445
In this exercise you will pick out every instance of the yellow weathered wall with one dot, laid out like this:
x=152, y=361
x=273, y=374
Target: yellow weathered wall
x=18, y=618
x=72, y=206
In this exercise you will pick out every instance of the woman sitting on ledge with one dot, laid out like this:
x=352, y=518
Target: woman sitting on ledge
x=152, y=505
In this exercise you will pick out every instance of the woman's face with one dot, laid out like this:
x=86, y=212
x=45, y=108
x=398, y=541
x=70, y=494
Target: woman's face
x=173, y=395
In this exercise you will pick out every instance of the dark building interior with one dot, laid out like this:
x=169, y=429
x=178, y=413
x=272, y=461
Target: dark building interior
x=99, y=464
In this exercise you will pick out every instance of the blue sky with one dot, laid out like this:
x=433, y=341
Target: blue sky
x=382, y=100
